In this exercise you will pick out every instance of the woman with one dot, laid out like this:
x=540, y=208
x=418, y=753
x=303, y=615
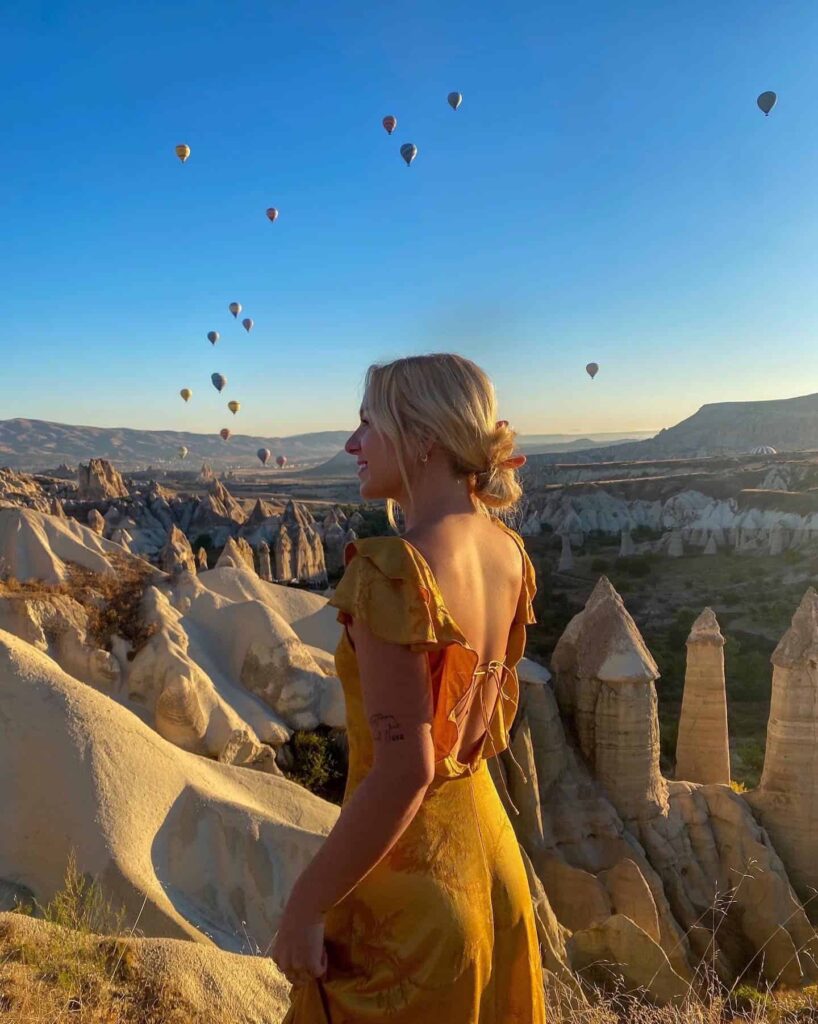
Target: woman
x=416, y=909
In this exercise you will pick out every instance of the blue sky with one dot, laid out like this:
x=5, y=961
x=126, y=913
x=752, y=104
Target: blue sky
x=607, y=191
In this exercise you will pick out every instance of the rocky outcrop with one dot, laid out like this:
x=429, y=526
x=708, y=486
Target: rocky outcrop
x=264, y=568
x=99, y=480
x=702, y=747
x=299, y=553
x=787, y=797
x=177, y=554
x=566, y=562
x=236, y=553
x=605, y=678
x=96, y=521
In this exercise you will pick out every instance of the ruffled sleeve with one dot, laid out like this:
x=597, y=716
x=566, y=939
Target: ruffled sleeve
x=387, y=585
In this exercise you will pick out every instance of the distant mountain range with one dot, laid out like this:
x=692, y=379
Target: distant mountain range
x=722, y=428
x=38, y=444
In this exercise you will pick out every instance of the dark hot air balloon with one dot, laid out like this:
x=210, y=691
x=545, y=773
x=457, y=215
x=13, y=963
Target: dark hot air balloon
x=272, y=214
x=281, y=460
x=408, y=151
x=592, y=369
x=766, y=101
x=454, y=99
x=224, y=433
x=235, y=308
x=219, y=382
x=212, y=337
x=264, y=455
x=390, y=123
x=247, y=324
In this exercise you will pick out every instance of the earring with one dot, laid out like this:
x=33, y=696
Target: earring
x=424, y=458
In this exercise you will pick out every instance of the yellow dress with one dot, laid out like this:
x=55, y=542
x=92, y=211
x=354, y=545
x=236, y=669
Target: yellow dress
x=441, y=930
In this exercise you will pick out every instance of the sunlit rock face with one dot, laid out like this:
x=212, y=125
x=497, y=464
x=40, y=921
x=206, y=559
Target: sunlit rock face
x=99, y=480
x=299, y=552
x=702, y=747
x=787, y=797
x=177, y=554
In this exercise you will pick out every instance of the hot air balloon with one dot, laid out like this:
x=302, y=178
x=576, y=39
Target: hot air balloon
x=281, y=460
x=183, y=151
x=408, y=151
x=592, y=369
x=219, y=382
x=247, y=324
x=390, y=123
x=454, y=99
x=186, y=393
x=182, y=452
x=212, y=337
x=233, y=406
x=272, y=214
x=224, y=433
x=235, y=308
x=264, y=455
x=766, y=102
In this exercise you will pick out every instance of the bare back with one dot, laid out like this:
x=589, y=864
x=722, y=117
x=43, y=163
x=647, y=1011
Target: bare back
x=479, y=572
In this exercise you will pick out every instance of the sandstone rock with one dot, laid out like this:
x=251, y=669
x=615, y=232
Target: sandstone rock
x=96, y=521
x=710, y=547
x=566, y=563
x=99, y=480
x=618, y=954
x=57, y=509
x=787, y=797
x=334, y=540
x=37, y=546
x=605, y=678
x=355, y=522
x=237, y=553
x=675, y=547
x=265, y=570
x=299, y=553
x=702, y=747
x=626, y=547
x=201, y=559
x=177, y=554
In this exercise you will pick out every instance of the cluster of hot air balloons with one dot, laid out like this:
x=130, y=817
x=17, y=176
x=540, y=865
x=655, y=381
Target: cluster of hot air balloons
x=409, y=150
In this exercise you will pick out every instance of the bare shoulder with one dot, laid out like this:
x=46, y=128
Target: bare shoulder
x=442, y=544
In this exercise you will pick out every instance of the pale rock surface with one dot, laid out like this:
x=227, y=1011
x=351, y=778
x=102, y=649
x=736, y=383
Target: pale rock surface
x=605, y=680
x=626, y=546
x=265, y=569
x=57, y=625
x=355, y=522
x=702, y=746
x=99, y=480
x=334, y=540
x=299, y=553
x=618, y=954
x=56, y=509
x=177, y=554
x=37, y=546
x=248, y=641
x=96, y=521
x=237, y=554
x=710, y=547
x=150, y=821
x=201, y=560
x=787, y=797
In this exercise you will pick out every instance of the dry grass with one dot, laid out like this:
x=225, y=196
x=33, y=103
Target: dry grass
x=77, y=967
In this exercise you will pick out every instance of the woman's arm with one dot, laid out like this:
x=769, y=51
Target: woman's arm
x=397, y=699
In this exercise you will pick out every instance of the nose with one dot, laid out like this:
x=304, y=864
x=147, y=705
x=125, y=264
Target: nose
x=352, y=446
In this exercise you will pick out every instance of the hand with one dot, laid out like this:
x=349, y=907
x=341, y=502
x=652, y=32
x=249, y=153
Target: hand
x=299, y=949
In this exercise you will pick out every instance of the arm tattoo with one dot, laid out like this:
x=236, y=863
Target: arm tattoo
x=385, y=727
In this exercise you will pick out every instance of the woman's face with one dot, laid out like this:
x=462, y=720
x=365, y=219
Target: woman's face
x=378, y=473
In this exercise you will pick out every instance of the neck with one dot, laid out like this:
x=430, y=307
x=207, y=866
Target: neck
x=435, y=498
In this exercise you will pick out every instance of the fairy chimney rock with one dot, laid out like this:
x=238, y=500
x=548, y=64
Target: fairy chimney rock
x=702, y=748
x=265, y=570
x=787, y=798
x=566, y=563
x=236, y=554
x=201, y=559
x=177, y=554
x=605, y=684
x=99, y=480
x=626, y=545
x=96, y=521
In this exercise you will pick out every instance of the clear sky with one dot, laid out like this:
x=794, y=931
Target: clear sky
x=607, y=191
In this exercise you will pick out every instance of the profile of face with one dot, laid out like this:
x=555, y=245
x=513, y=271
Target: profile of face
x=378, y=473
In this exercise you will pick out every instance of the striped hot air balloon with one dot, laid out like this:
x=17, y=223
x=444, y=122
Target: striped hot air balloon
x=224, y=433
x=390, y=123
x=408, y=151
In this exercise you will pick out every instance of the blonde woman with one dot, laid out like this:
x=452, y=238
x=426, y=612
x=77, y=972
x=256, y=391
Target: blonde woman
x=416, y=909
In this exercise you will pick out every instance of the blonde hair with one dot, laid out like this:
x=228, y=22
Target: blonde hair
x=447, y=399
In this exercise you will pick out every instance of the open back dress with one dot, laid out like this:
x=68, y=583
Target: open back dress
x=441, y=930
